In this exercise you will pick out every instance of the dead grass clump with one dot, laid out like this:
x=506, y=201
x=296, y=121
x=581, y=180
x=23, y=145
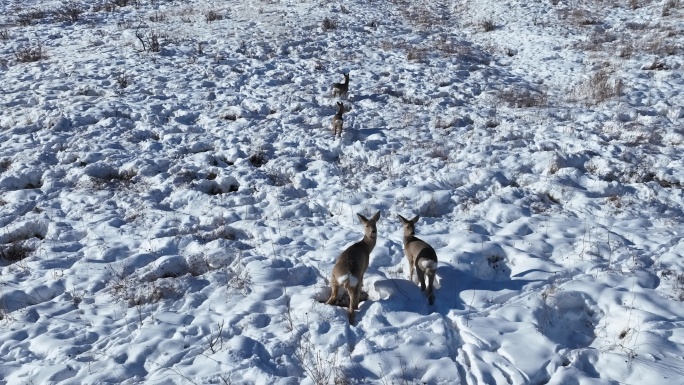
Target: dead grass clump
x=150, y=42
x=158, y=17
x=677, y=280
x=15, y=252
x=123, y=81
x=523, y=98
x=30, y=54
x=660, y=46
x=492, y=123
x=212, y=16
x=422, y=14
x=5, y=164
x=579, y=16
x=669, y=6
x=416, y=54
x=25, y=19
x=121, y=178
x=599, y=87
x=626, y=49
x=4, y=34
x=633, y=25
x=487, y=25
x=328, y=24
x=258, y=159
x=69, y=12
x=595, y=42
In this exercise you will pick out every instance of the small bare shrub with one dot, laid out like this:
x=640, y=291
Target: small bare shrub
x=5, y=164
x=215, y=340
x=123, y=81
x=321, y=368
x=14, y=252
x=258, y=159
x=239, y=277
x=212, y=16
x=27, y=18
x=24, y=20
x=487, y=25
x=157, y=17
x=150, y=42
x=492, y=123
x=69, y=12
x=4, y=34
x=328, y=24
x=30, y=54
x=599, y=87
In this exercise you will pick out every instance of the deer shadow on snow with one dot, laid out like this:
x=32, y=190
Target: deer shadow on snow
x=402, y=294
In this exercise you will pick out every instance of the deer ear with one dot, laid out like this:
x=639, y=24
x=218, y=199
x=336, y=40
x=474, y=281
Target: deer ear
x=415, y=219
x=403, y=220
x=376, y=217
x=362, y=218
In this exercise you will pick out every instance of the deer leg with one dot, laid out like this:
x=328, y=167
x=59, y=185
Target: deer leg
x=421, y=278
x=411, y=267
x=431, y=281
x=333, y=296
x=353, y=298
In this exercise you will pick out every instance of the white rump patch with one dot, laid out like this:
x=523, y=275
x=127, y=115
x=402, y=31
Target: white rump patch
x=348, y=277
x=426, y=264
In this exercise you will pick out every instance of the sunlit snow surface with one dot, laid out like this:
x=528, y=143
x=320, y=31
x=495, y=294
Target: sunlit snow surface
x=173, y=217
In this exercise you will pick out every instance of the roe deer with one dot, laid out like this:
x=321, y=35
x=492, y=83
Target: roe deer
x=352, y=264
x=421, y=257
x=341, y=89
x=337, y=120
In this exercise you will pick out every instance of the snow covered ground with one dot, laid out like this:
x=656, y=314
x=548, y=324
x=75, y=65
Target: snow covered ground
x=173, y=200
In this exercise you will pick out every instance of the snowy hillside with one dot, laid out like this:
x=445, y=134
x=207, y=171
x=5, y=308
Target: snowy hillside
x=172, y=198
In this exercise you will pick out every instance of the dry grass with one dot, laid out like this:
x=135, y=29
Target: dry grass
x=5, y=164
x=27, y=18
x=523, y=97
x=14, y=252
x=598, y=88
x=416, y=54
x=118, y=178
x=151, y=42
x=212, y=16
x=487, y=25
x=30, y=54
x=69, y=12
x=328, y=24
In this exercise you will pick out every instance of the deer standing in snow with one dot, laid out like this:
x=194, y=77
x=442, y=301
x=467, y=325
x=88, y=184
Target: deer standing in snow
x=337, y=120
x=421, y=257
x=341, y=89
x=352, y=264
